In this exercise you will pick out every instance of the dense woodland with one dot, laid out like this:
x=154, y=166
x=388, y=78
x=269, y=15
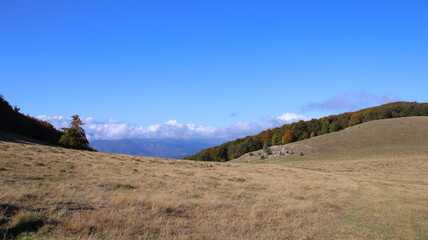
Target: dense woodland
x=306, y=129
x=12, y=120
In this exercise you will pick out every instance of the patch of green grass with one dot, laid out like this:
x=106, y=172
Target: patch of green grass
x=124, y=186
x=244, y=197
x=237, y=179
x=3, y=148
x=213, y=178
x=69, y=165
x=364, y=219
x=255, y=188
x=195, y=196
x=25, y=236
x=33, y=178
x=214, y=185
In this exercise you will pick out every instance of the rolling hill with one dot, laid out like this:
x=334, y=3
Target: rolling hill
x=387, y=137
x=366, y=182
x=387, y=159
x=302, y=130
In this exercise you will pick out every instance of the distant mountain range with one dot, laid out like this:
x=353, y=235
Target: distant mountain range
x=163, y=148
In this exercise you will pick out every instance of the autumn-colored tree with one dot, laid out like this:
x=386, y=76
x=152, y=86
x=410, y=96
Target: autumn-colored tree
x=74, y=136
x=356, y=118
x=267, y=135
x=288, y=137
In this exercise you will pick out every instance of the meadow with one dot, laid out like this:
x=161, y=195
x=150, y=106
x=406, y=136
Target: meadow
x=360, y=191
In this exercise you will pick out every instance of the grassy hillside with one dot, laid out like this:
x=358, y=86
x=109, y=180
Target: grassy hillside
x=331, y=193
x=307, y=129
x=67, y=194
x=388, y=137
x=387, y=159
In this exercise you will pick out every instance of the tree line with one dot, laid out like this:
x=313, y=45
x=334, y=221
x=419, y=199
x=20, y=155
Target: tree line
x=11, y=120
x=302, y=130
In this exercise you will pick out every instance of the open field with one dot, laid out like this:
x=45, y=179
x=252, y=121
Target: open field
x=336, y=191
x=61, y=193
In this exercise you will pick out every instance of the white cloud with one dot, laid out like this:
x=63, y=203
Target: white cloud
x=284, y=119
x=153, y=128
x=173, y=123
x=111, y=129
x=291, y=117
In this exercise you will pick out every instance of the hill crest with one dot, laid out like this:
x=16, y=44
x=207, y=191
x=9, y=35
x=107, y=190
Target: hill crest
x=302, y=130
x=386, y=136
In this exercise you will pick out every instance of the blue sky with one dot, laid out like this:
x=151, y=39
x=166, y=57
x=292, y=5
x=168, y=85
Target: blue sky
x=209, y=64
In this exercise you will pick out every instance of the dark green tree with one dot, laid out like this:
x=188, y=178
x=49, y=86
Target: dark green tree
x=325, y=128
x=335, y=126
x=75, y=136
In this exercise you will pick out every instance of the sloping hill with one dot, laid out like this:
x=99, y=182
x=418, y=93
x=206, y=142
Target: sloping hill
x=388, y=160
x=302, y=130
x=398, y=136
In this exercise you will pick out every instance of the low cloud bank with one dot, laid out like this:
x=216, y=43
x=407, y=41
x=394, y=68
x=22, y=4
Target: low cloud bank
x=111, y=129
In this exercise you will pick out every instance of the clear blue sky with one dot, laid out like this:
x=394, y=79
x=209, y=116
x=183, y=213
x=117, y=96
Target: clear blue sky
x=210, y=63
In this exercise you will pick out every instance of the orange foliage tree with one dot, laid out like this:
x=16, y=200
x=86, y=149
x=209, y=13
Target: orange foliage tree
x=288, y=137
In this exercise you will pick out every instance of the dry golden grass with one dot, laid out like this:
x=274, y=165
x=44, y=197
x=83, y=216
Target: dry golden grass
x=388, y=160
x=66, y=194
x=344, y=188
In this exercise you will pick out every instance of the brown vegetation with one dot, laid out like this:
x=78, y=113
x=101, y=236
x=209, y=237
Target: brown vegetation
x=388, y=161
x=59, y=193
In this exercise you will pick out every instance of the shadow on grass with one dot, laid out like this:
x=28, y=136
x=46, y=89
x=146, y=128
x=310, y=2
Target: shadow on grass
x=23, y=224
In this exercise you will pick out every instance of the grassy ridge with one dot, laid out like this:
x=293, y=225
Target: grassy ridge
x=385, y=138
x=388, y=160
x=306, y=129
